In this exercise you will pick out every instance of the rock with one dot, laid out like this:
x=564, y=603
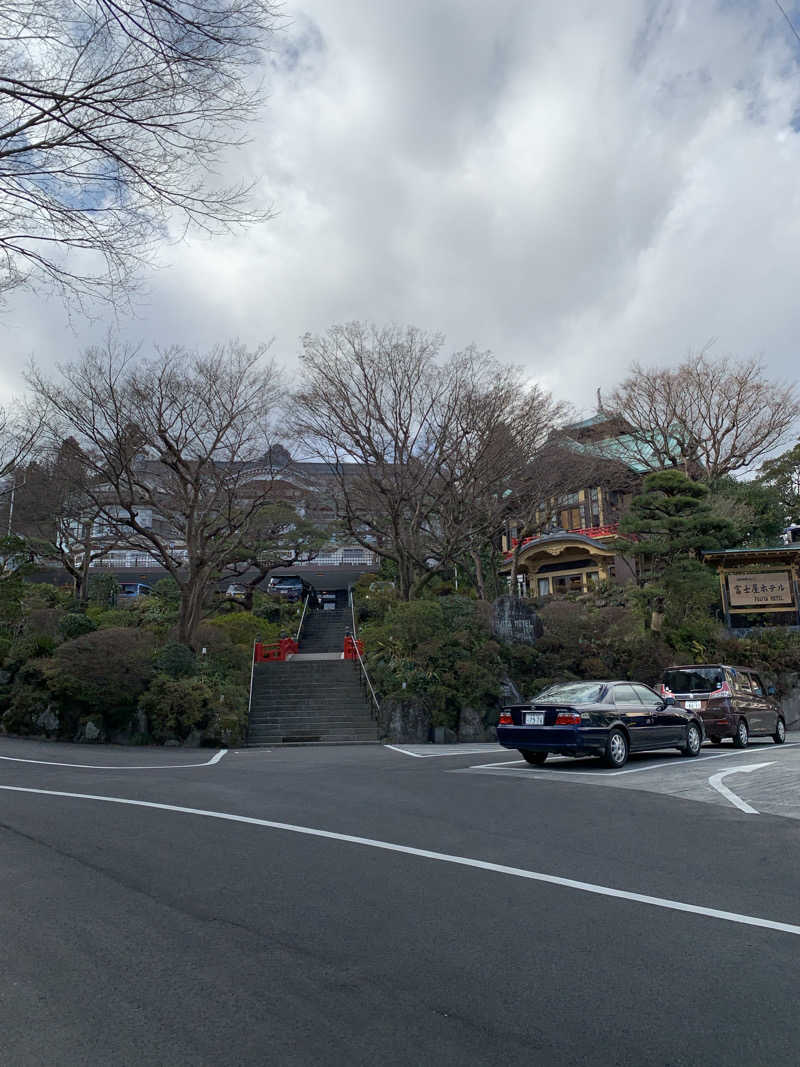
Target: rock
x=443, y=735
x=5, y=677
x=172, y=742
x=91, y=731
x=515, y=620
x=48, y=721
x=471, y=727
x=405, y=721
x=196, y=739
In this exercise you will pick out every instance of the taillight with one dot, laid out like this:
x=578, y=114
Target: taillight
x=568, y=718
x=505, y=719
x=723, y=691
x=664, y=690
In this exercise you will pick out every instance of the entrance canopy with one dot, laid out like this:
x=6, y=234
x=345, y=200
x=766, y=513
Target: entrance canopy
x=561, y=563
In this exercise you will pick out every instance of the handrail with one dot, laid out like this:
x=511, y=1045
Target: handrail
x=358, y=653
x=300, y=627
x=250, y=698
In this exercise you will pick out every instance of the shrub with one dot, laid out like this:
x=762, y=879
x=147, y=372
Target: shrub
x=104, y=673
x=176, y=706
x=242, y=627
x=75, y=624
x=444, y=652
x=175, y=660
x=27, y=647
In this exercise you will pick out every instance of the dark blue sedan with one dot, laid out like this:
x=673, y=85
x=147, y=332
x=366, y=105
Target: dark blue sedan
x=607, y=719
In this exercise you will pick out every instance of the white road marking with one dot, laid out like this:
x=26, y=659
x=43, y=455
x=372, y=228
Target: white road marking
x=435, y=755
x=117, y=767
x=442, y=857
x=686, y=763
x=715, y=781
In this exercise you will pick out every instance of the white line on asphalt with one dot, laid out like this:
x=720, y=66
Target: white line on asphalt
x=435, y=755
x=117, y=767
x=442, y=857
x=686, y=763
x=715, y=781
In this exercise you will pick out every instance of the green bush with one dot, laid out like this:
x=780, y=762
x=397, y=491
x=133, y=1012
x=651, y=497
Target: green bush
x=175, y=660
x=103, y=673
x=242, y=627
x=74, y=624
x=444, y=652
x=111, y=618
x=27, y=647
x=176, y=706
x=27, y=703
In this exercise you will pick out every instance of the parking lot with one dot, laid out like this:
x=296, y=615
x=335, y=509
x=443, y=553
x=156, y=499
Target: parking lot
x=765, y=777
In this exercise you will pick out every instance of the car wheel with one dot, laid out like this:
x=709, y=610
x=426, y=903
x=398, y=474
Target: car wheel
x=780, y=732
x=536, y=758
x=693, y=740
x=616, y=749
x=742, y=735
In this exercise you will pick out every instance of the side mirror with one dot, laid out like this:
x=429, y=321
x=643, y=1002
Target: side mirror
x=669, y=700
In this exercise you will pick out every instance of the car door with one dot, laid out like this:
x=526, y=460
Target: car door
x=743, y=703
x=669, y=721
x=635, y=716
x=766, y=718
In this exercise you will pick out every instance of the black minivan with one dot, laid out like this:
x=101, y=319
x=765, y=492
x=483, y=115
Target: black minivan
x=732, y=701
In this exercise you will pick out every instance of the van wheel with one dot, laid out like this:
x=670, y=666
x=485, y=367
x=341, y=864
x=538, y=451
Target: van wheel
x=742, y=735
x=616, y=749
x=536, y=758
x=780, y=732
x=693, y=740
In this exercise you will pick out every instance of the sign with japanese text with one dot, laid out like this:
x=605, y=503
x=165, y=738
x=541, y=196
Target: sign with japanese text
x=760, y=590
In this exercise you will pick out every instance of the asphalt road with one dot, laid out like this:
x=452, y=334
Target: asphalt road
x=140, y=934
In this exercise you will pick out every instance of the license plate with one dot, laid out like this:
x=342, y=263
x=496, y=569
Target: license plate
x=693, y=705
x=534, y=718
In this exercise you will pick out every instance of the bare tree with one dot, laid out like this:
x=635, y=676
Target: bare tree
x=414, y=443
x=57, y=518
x=112, y=113
x=707, y=417
x=178, y=448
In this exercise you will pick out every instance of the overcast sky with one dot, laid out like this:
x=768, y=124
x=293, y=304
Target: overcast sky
x=572, y=185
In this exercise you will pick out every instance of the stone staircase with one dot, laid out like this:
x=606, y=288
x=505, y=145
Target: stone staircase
x=315, y=695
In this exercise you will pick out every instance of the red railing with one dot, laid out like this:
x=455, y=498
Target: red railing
x=275, y=651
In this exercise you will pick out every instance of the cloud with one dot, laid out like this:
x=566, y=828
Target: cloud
x=572, y=186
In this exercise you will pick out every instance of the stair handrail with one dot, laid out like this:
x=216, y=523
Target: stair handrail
x=358, y=653
x=250, y=698
x=302, y=617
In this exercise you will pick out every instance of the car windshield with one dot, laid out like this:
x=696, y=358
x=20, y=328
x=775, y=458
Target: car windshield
x=572, y=693
x=286, y=581
x=694, y=679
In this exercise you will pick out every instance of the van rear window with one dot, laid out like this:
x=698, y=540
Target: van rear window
x=694, y=679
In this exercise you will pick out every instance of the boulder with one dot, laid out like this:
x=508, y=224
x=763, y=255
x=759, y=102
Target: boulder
x=515, y=620
x=472, y=727
x=405, y=721
x=48, y=722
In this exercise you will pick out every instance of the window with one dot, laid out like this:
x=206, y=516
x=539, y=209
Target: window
x=592, y=578
x=626, y=694
x=544, y=587
x=758, y=688
x=647, y=696
x=741, y=683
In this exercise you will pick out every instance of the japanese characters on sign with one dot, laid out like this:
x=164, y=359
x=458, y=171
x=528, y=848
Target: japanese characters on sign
x=760, y=590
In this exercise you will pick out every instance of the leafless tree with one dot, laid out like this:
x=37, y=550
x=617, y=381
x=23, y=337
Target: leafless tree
x=55, y=514
x=112, y=114
x=706, y=416
x=414, y=442
x=178, y=448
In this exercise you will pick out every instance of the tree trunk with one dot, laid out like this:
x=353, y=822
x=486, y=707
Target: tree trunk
x=479, y=582
x=191, y=607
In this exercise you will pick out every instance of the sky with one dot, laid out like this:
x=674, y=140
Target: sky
x=572, y=186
